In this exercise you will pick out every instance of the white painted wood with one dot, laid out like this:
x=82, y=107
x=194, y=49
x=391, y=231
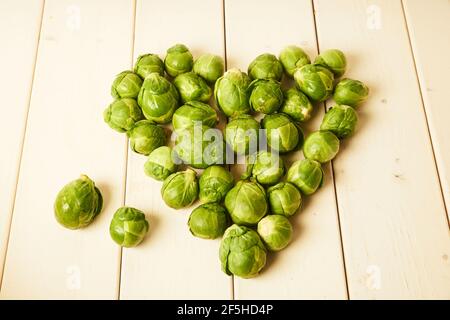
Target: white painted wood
x=394, y=228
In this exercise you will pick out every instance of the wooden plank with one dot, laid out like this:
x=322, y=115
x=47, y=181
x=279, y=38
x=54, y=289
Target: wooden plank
x=19, y=31
x=431, y=51
x=393, y=221
x=83, y=45
x=312, y=265
x=171, y=263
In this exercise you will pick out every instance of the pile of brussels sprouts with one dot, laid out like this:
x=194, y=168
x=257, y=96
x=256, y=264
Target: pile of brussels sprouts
x=251, y=214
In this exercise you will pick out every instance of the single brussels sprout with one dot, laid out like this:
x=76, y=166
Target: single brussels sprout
x=231, y=93
x=321, y=146
x=178, y=60
x=126, y=85
x=266, y=95
x=128, y=227
x=266, y=167
x=341, y=120
x=284, y=199
x=192, y=87
x=265, y=66
x=214, y=184
x=209, y=66
x=350, y=92
x=149, y=63
x=160, y=163
x=293, y=58
x=282, y=133
x=242, y=133
x=334, y=60
x=275, y=231
x=242, y=252
x=122, y=114
x=78, y=203
x=246, y=202
x=208, y=221
x=194, y=112
x=158, y=98
x=146, y=136
x=306, y=175
x=297, y=105
x=180, y=189
x=315, y=81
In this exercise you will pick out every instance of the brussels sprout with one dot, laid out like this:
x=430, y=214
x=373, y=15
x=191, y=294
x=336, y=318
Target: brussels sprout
x=284, y=199
x=242, y=133
x=146, y=137
x=208, y=221
x=315, y=81
x=293, y=58
x=321, y=146
x=334, y=60
x=122, y=114
x=214, y=184
x=128, y=227
x=194, y=112
x=341, y=120
x=158, y=98
x=275, y=231
x=350, y=92
x=180, y=189
x=210, y=67
x=160, y=163
x=149, y=63
x=297, y=105
x=265, y=66
x=126, y=85
x=246, y=202
x=266, y=167
x=231, y=93
x=306, y=175
x=78, y=203
x=192, y=87
x=242, y=252
x=282, y=133
x=178, y=60
x=266, y=95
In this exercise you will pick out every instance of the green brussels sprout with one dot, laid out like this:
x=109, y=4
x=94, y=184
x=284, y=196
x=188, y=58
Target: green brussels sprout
x=158, y=98
x=293, y=58
x=194, y=112
x=149, y=63
x=246, y=202
x=282, y=133
x=315, y=81
x=180, y=189
x=214, y=184
x=128, y=227
x=341, y=120
x=284, y=199
x=231, y=93
x=146, y=136
x=126, y=85
x=265, y=66
x=321, y=146
x=297, y=105
x=334, y=60
x=266, y=167
x=78, y=203
x=209, y=66
x=242, y=133
x=350, y=92
x=208, y=221
x=122, y=114
x=160, y=163
x=178, y=60
x=275, y=231
x=306, y=175
x=192, y=87
x=266, y=95
x=242, y=252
